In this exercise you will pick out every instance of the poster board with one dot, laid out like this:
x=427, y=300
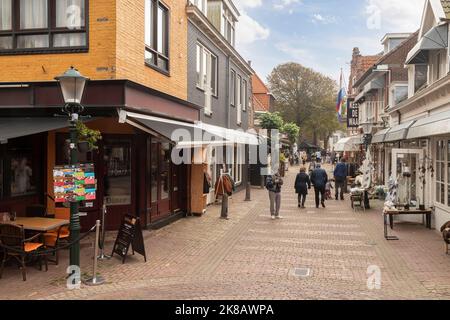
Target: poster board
x=130, y=234
x=74, y=183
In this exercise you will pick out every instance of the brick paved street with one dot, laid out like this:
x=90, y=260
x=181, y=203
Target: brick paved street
x=253, y=257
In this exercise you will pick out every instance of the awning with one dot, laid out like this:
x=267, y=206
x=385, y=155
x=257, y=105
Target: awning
x=399, y=132
x=186, y=134
x=433, y=125
x=350, y=144
x=380, y=136
x=374, y=84
x=11, y=128
x=435, y=39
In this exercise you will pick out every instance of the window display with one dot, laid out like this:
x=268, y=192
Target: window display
x=117, y=181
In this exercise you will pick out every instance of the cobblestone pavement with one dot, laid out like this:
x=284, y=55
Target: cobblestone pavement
x=252, y=257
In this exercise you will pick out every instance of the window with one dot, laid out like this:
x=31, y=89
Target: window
x=206, y=70
x=202, y=6
x=117, y=180
x=156, y=35
x=400, y=94
x=239, y=99
x=238, y=163
x=228, y=26
x=42, y=25
x=233, y=88
x=440, y=172
x=244, y=95
x=420, y=76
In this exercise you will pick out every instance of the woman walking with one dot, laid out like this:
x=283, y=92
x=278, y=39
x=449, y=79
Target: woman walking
x=302, y=184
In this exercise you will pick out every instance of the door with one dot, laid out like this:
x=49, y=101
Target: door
x=161, y=176
x=405, y=166
x=118, y=179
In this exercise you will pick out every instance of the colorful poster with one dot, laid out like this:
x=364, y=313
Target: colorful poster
x=74, y=183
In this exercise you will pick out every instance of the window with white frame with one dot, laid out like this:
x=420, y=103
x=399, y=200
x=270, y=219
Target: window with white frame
x=238, y=164
x=227, y=27
x=202, y=5
x=233, y=88
x=441, y=171
x=420, y=76
x=206, y=69
x=244, y=95
x=398, y=94
x=239, y=99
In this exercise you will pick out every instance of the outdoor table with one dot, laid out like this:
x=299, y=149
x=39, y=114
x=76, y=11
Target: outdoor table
x=389, y=214
x=39, y=224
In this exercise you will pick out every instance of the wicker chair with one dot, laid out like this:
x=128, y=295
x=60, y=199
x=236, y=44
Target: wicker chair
x=13, y=236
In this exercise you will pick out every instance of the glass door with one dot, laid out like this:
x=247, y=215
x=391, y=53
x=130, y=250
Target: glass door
x=405, y=167
x=160, y=179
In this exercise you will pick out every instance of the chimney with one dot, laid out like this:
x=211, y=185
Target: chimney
x=356, y=52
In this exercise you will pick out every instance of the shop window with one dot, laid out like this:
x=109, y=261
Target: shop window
x=43, y=25
x=164, y=171
x=118, y=173
x=157, y=35
x=440, y=172
x=22, y=173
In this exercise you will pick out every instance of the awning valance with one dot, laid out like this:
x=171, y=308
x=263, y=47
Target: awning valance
x=350, y=144
x=433, y=125
x=380, y=136
x=187, y=134
x=11, y=128
x=435, y=39
x=398, y=132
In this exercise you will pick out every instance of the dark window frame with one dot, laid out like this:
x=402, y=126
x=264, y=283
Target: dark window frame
x=152, y=47
x=51, y=31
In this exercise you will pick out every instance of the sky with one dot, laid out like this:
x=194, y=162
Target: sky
x=319, y=34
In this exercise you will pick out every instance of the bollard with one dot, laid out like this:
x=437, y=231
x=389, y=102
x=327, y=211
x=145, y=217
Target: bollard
x=224, y=211
x=95, y=280
x=102, y=255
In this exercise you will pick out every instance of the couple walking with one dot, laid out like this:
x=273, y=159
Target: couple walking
x=303, y=182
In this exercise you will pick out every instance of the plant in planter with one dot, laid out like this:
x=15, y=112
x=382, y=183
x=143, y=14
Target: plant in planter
x=87, y=138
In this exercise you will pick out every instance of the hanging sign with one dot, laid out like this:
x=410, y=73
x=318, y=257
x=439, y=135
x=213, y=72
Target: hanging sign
x=353, y=115
x=74, y=183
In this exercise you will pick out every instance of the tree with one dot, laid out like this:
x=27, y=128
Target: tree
x=271, y=121
x=292, y=131
x=306, y=97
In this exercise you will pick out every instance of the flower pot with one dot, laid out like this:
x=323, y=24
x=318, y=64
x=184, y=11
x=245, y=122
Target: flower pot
x=83, y=146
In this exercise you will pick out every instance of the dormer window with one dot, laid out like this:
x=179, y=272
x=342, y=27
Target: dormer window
x=228, y=26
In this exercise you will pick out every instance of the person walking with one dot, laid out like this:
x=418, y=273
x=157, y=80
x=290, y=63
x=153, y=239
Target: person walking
x=302, y=184
x=340, y=177
x=273, y=185
x=319, y=179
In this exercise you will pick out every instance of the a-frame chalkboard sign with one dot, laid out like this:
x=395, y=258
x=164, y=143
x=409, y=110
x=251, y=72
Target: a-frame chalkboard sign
x=130, y=233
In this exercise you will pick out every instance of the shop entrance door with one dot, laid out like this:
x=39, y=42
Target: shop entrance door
x=405, y=166
x=160, y=179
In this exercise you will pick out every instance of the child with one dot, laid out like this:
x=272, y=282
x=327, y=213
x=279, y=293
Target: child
x=328, y=188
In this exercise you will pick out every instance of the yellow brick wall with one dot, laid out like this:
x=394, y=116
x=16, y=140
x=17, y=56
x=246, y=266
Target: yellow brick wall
x=98, y=63
x=130, y=47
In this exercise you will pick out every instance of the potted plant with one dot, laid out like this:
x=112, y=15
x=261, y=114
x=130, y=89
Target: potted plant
x=87, y=138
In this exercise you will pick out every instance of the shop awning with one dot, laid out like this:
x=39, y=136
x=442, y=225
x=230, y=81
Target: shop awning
x=186, y=134
x=11, y=128
x=433, y=125
x=398, y=132
x=380, y=136
x=435, y=39
x=350, y=144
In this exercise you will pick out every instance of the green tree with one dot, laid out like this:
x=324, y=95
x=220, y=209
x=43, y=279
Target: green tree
x=292, y=130
x=305, y=97
x=271, y=121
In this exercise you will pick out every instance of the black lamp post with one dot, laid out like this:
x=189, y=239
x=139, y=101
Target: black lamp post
x=72, y=85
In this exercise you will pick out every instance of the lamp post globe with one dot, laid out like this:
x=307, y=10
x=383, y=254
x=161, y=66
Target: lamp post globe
x=72, y=85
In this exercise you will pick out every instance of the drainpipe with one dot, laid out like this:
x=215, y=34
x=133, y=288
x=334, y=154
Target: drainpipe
x=399, y=122
x=227, y=93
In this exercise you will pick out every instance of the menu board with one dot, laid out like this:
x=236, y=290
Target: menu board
x=130, y=233
x=74, y=183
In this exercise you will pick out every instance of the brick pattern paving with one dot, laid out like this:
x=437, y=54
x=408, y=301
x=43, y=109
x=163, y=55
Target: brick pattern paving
x=252, y=257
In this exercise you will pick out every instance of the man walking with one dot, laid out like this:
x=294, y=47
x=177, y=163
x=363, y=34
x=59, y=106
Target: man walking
x=340, y=177
x=319, y=179
x=273, y=185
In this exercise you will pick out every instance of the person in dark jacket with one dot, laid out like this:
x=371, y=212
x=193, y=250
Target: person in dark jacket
x=340, y=178
x=302, y=184
x=273, y=185
x=319, y=179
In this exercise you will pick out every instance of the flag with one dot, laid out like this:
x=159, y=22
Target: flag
x=341, y=107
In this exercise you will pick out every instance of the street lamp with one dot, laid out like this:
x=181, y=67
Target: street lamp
x=367, y=130
x=72, y=85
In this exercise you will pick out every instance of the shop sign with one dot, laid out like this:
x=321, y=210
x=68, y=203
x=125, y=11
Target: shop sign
x=74, y=183
x=353, y=115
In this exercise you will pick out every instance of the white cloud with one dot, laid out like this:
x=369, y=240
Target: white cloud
x=318, y=18
x=249, y=30
x=248, y=3
x=282, y=4
x=394, y=15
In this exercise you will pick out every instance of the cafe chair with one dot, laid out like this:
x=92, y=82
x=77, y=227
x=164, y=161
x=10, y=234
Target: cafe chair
x=36, y=211
x=53, y=238
x=13, y=236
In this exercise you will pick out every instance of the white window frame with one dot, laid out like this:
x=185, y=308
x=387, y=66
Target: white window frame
x=244, y=95
x=238, y=164
x=239, y=99
x=202, y=63
x=202, y=5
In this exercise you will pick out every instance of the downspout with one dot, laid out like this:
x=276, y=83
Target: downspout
x=227, y=93
x=399, y=122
